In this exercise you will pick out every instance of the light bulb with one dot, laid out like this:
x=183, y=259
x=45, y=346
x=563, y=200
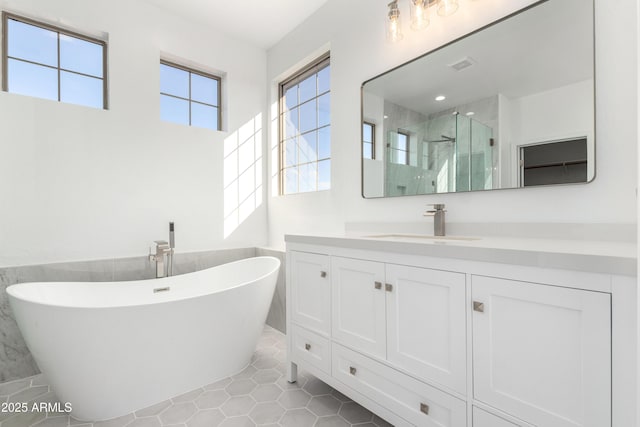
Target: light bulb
x=447, y=7
x=394, y=34
x=394, y=30
x=419, y=14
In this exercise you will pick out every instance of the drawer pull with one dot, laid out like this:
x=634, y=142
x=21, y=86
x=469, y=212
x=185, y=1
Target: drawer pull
x=478, y=306
x=352, y=370
x=388, y=287
x=307, y=346
x=424, y=408
x=323, y=274
x=378, y=285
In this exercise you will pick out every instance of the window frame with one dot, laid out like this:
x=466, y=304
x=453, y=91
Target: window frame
x=6, y=16
x=201, y=73
x=311, y=68
x=373, y=139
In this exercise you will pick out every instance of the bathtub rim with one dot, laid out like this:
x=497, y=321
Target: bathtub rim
x=11, y=292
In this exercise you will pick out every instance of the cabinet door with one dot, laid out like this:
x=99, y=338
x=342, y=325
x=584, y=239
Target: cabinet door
x=358, y=304
x=542, y=353
x=311, y=291
x=484, y=419
x=426, y=328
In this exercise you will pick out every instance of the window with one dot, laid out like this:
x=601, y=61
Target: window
x=368, y=140
x=47, y=62
x=305, y=141
x=400, y=148
x=189, y=97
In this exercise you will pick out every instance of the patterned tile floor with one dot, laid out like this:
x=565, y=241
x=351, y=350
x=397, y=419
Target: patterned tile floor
x=258, y=396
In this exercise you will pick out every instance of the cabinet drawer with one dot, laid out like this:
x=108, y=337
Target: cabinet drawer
x=311, y=348
x=412, y=400
x=484, y=419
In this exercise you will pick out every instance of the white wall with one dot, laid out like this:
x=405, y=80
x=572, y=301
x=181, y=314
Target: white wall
x=79, y=183
x=561, y=113
x=355, y=34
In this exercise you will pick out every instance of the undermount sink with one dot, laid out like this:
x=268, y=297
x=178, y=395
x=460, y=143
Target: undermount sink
x=420, y=237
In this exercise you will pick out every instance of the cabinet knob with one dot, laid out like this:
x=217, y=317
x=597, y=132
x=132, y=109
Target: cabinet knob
x=478, y=306
x=323, y=274
x=424, y=408
x=352, y=370
x=388, y=287
x=307, y=346
x=378, y=285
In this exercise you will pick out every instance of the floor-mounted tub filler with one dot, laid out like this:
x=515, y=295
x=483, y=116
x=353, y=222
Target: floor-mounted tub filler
x=111, y=348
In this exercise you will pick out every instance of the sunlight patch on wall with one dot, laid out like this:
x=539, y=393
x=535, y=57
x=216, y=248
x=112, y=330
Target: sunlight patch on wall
x=242, y=174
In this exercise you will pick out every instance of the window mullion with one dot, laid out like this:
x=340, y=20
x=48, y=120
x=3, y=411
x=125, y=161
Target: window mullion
x=58, y=69
x=189, y=98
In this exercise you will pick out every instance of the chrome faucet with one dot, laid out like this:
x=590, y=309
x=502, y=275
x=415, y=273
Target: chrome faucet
x=438, y=218
x=164, y=248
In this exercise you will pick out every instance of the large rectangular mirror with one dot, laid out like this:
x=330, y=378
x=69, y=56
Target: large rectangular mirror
x=510, y=105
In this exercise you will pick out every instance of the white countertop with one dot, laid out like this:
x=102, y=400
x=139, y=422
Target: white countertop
x=589, y=256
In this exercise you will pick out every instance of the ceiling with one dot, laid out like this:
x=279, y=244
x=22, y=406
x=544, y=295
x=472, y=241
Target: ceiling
x=261, y=23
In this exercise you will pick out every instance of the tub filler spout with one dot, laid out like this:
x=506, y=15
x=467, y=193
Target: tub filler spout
x=162, y=249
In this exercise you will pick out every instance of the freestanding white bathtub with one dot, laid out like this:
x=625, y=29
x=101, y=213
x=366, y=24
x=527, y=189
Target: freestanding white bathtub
x=112, y=348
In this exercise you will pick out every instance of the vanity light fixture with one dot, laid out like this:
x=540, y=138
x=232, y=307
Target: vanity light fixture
x=419, y=14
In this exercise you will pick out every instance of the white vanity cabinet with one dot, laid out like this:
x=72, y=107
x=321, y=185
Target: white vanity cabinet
x=542, y=353
x=445, y=342
x=414, y=318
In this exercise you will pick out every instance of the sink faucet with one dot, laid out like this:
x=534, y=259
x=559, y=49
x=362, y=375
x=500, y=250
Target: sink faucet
x=438, y=218
x=164, y=248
